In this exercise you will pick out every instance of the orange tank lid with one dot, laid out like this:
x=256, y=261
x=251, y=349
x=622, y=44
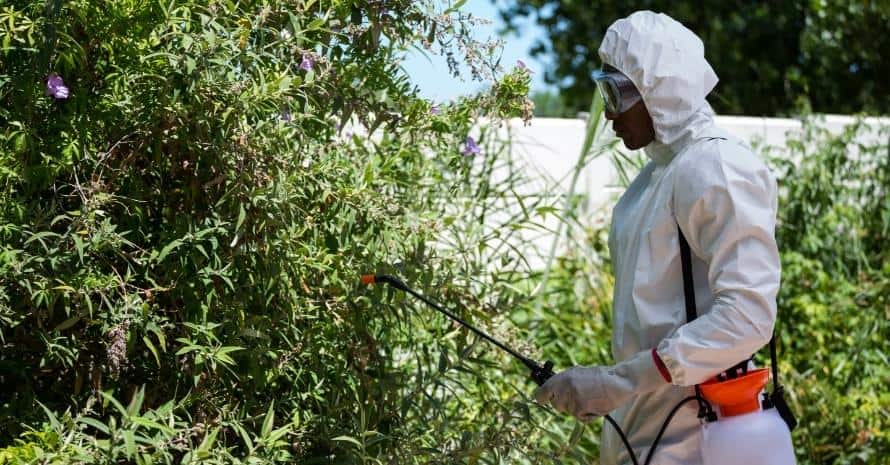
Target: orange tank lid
x=738, y=395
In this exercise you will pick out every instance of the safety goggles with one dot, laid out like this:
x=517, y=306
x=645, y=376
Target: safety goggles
x=617, y=90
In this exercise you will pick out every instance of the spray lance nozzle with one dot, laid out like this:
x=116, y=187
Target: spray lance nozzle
x=539, y=373
x=384, y=278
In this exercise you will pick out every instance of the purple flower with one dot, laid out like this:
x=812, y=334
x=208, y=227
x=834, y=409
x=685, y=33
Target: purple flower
x=434, y=110
x=55, y=87
x=307, y=63
x=521, y=65
x=471, y=148
x=346, y=134
x=116, y=348
x=286, y=115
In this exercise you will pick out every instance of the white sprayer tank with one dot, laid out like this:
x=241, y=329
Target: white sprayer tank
x=756, y=438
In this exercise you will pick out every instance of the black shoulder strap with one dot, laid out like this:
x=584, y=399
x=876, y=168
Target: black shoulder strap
x=774, y=399
x=705, y=412
x=688, y=288
x=777, y=397
x=689, y=294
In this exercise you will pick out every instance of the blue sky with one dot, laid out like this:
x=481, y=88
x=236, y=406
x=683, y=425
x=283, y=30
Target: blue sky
x=431, y=74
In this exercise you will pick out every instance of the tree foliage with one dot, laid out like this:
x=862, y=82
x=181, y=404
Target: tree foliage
x=773, y=58
x=189, y=191
x=834, y=310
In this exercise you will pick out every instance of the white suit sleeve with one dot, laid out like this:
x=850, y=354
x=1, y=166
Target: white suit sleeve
x=725, y=205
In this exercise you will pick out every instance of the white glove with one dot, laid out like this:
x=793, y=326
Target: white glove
x=589, y=392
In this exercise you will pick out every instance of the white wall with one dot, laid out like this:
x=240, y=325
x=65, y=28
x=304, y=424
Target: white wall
x=550, y=147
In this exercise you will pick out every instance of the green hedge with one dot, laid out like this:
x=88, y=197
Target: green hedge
x=183, y=227
x=834, y=303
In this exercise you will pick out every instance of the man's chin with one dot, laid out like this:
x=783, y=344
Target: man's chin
x=631, y=145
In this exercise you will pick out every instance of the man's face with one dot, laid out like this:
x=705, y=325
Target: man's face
x=634, y=126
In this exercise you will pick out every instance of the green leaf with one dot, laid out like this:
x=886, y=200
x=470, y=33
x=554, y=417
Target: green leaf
x=167, y=249
x=159, y=333
x=187, y=349
x=315, y=24
x=135, y=405
x=67, y=323
x=457, y=6
x=245, y=436
x=110, y=398
x=269, y=421
x=94, y=423
x=40, y=236
x=129, y=443
x=348, y=439
x=53, y=421
x=151, y=424
x=241, y=215
x=229, y=349
x=79, y=246
x=152, y=349
x=208, y=442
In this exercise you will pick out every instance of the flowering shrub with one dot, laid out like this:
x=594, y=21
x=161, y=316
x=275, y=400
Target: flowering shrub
x=188, y=193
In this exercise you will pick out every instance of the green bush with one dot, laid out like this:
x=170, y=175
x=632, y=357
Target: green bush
x=834, y=303
x=183, y=226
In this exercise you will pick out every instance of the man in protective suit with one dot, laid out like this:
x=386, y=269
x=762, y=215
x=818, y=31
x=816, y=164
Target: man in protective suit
x=723, y=198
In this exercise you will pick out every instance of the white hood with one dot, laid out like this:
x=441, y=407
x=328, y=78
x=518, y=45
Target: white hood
x=723, y=197
x=666, y=62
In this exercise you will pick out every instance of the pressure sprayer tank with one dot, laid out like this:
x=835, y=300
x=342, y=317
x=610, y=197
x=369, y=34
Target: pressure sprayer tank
x=744, y=433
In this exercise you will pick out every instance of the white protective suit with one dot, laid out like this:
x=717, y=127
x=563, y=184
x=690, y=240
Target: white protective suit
x=724, y=199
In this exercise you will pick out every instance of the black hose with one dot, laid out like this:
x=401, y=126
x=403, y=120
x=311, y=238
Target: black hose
x=655, y=442
x=630, y=450
x=664, y=426
x=540, y=373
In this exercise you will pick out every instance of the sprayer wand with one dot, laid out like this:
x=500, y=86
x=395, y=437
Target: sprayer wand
x=539, y=373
